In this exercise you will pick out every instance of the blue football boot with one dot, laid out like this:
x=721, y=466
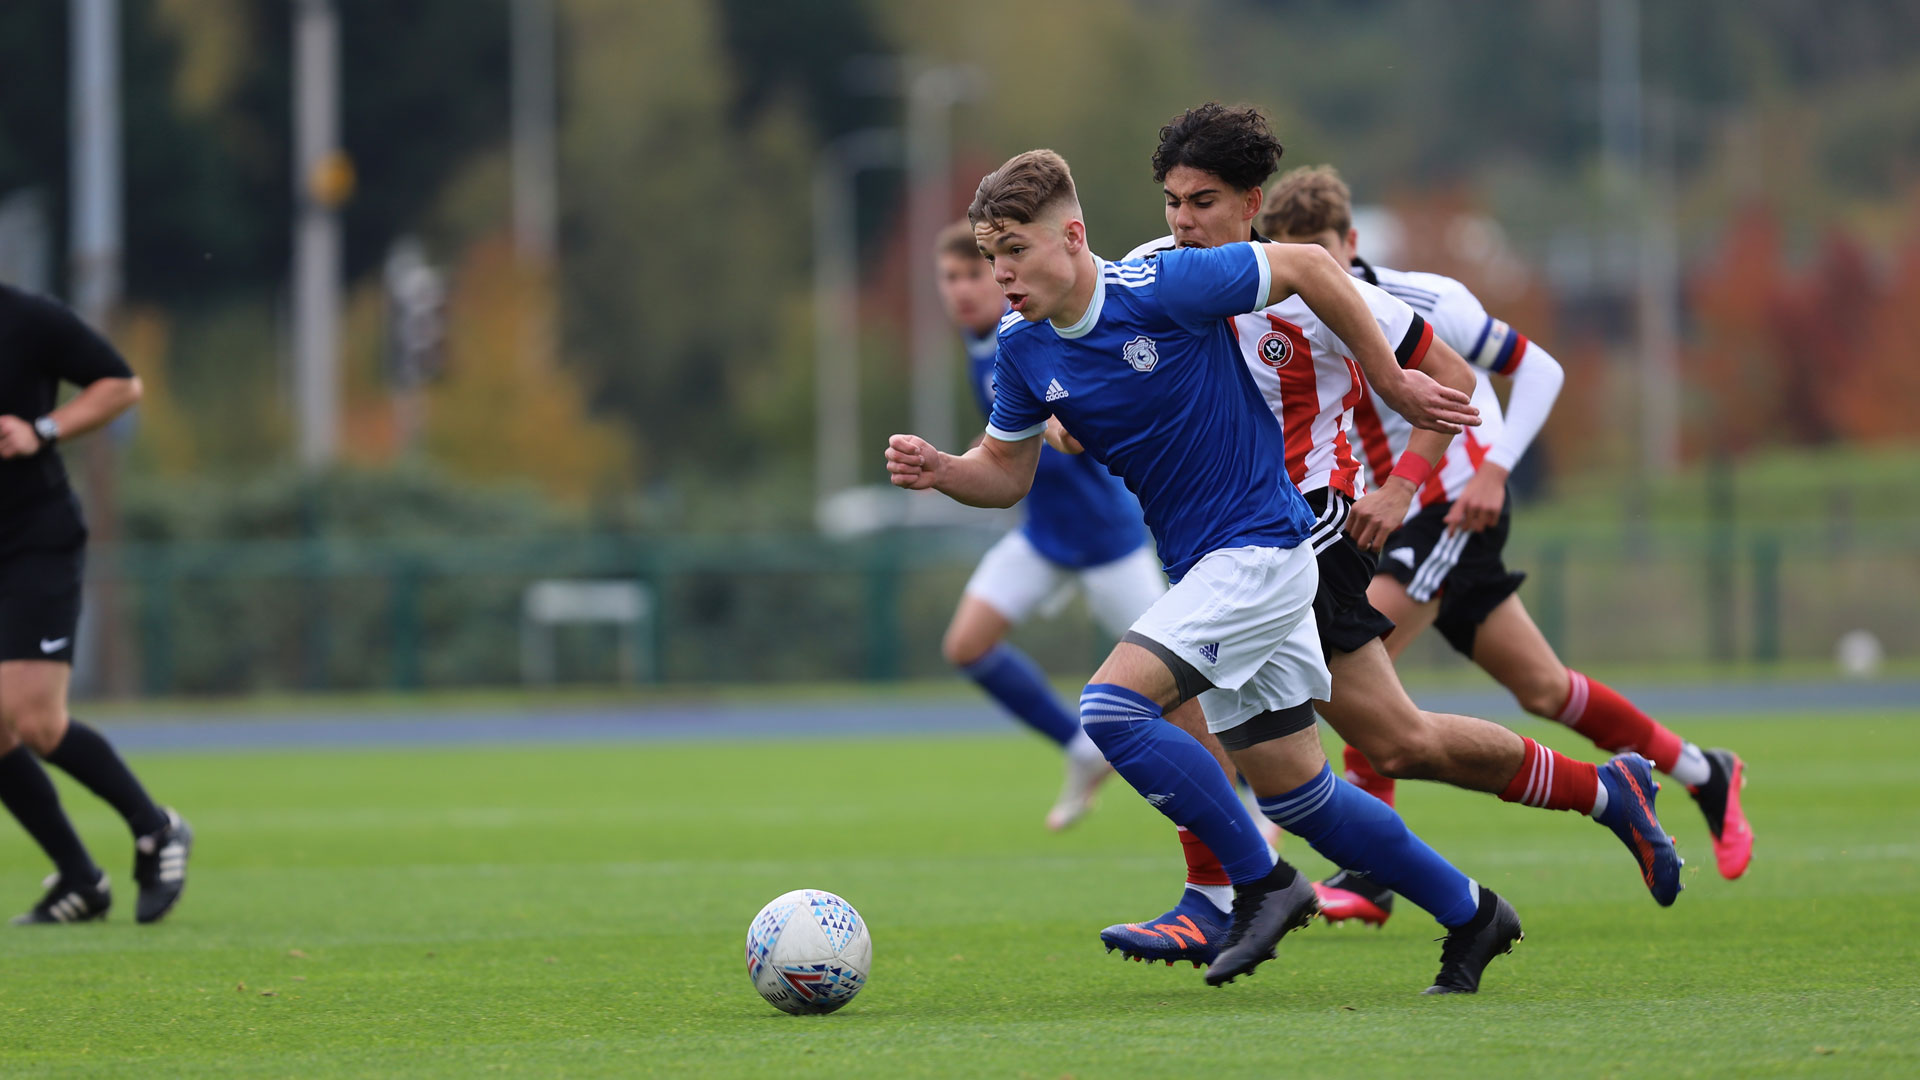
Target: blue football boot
x=1629, y=813
x=1192, y=931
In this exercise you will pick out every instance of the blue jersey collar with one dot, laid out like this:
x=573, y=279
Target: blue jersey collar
x=1088, y=321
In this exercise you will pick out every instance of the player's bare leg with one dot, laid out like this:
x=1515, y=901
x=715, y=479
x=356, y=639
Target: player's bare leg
x=1509, y=647
x=975, y=644
x=1410, y=617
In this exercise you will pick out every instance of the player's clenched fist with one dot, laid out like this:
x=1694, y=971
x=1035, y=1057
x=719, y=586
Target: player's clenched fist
x=911, y=462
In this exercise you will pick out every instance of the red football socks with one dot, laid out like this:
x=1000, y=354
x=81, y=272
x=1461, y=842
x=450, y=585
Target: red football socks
x=1203, y=866
x=1361, y=774
x=1613, y=723
x=1553, y=781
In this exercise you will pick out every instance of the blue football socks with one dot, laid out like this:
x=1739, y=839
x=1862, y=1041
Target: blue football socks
x=1011, y=678
x=1176, y=774
x=1362, y=834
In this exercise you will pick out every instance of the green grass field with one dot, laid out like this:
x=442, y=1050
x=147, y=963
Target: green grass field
x=580, y=912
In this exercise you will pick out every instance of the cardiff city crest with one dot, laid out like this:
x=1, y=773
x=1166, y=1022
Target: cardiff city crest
x=1140, y=354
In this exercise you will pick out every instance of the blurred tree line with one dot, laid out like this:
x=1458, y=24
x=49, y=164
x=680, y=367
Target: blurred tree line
x=679, y=396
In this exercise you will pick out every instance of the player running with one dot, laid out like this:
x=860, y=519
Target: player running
x=1082, y=529
x=1443, y=565
x=1138, y=362
x=42, y=547
x=1212, y=162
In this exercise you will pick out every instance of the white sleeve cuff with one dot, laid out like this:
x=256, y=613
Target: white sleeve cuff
x=1265, y=270
x=1504, y=455
x=1016, y=436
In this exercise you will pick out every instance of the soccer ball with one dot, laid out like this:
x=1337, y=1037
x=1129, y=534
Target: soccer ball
x=808, y=952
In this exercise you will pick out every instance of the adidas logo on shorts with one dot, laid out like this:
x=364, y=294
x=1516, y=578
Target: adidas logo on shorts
x=1210, y=652
x=1055, y=391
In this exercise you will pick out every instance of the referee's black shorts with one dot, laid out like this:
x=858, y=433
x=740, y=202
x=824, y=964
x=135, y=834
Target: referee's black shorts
x=42, y=558
x=1340, y=608
x=1466, y=571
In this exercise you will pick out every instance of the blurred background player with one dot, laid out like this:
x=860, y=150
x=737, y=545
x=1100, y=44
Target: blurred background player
x=1212, y=163
x=42, y=551
x=1443, y=567
x=1082, y=528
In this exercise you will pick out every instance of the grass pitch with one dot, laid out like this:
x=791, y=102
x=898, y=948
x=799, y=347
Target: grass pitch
x=580, y=912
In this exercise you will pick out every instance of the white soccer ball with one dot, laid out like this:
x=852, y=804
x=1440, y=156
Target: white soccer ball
x=808, y=952
x=1858, y=653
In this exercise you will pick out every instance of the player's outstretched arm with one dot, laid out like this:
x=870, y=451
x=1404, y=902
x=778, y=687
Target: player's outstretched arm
x=994, y=474
x=1308, y=270
x=1382, y=510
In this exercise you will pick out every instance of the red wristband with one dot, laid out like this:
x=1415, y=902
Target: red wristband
x=1415, y=468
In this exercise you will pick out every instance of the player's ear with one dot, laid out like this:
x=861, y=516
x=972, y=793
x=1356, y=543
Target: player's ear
x=1255, y=198
x=1076, y=235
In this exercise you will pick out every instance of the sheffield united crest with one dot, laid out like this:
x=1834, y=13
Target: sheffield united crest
x=1275, y=349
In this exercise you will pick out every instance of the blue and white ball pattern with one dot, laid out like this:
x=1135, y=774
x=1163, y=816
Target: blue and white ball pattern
x=808, y=952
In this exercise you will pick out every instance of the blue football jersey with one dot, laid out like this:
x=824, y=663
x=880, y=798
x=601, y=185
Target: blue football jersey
x=1150, y=380
x=1078, y=513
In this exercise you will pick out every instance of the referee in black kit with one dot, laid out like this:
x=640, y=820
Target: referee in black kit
x=42, y=550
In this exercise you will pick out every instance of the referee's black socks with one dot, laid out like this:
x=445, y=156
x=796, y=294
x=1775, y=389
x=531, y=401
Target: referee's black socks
x=88, y=757
x=29, y=795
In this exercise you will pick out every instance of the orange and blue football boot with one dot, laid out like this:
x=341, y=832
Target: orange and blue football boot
x=1192, y=931
x=1719, y=799
x=1629, y=813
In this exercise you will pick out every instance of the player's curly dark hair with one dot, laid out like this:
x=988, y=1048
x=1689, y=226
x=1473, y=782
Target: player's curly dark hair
x=1233, y=143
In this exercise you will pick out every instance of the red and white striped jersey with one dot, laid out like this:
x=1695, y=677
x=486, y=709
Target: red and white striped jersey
x=1487, y=343
x=1308, y=377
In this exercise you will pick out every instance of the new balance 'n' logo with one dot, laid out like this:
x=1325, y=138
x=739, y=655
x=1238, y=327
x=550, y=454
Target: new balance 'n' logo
x=1055, y=391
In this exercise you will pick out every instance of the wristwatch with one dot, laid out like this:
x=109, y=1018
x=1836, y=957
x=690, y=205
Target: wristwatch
x=48, y=429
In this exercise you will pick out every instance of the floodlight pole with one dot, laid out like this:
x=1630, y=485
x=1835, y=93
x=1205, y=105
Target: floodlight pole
x=316, y=242
x=97, y=231
x=931, y=95
x=1643, y=197
x=836, y=331
x=535, y=190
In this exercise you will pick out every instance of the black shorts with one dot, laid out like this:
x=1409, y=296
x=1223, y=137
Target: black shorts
x=1465, y=570
x=40, y=570
x=1340, y=608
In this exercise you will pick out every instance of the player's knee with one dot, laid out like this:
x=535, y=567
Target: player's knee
x=1542, y=693
x=1407, y=759
x=41, y=724
x=962, y=649
x=1413, y=748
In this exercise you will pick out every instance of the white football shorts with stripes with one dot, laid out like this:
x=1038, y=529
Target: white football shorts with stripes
x=1243, y=617
x=1016, y=580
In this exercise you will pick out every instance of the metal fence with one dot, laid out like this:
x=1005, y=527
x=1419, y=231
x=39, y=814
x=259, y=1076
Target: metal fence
x=226, y=618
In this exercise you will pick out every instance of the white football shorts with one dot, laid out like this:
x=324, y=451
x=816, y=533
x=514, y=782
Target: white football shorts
x=1016, y=581
x=1243, y=617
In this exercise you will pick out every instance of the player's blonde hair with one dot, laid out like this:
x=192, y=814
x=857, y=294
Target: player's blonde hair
x=1022, y=190
x=1307, y=202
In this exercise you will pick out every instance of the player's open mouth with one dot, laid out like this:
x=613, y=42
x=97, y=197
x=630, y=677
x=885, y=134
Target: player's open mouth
x=1016, y=300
